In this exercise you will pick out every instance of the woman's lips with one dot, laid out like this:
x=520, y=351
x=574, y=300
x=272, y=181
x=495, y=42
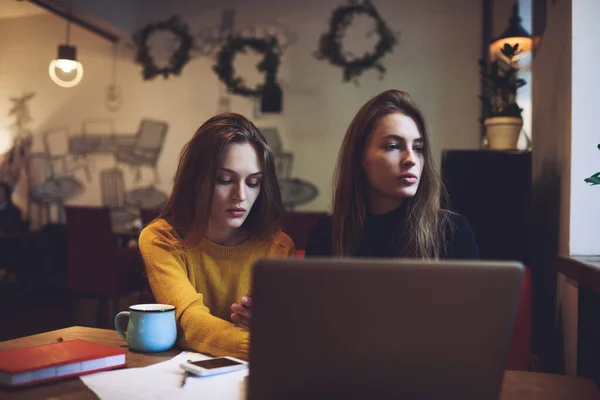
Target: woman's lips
x=408, y=179
x=236, y=212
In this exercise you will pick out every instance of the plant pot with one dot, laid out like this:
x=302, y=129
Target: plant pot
x=503, y=132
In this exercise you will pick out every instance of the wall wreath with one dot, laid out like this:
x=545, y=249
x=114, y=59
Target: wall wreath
x=330, y=43
x=269, y=65
x=179, y=58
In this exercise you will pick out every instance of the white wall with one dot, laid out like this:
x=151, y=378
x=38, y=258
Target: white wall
x=435, y=60
x=585, y=135
x=524, y=93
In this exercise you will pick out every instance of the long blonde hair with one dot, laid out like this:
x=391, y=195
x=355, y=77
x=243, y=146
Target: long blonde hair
x=425, y=221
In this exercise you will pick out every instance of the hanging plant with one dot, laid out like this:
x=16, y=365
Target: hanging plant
x=269, y=64
x=594, y=179
x=179, y=58
x=330, y=43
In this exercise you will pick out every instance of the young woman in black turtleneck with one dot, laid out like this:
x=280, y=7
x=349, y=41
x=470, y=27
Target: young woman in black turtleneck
x=387, y=191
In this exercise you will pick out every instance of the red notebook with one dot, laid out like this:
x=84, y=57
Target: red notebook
x=54, y=361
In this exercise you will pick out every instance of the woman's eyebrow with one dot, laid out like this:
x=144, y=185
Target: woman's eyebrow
x=400, y=138
x=228, y=170
x=255, y=174
x=393, y=136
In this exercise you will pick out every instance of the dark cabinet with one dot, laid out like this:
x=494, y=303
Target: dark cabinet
x=492, y=190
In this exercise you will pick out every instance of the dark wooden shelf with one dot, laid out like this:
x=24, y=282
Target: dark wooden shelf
x=585, y=270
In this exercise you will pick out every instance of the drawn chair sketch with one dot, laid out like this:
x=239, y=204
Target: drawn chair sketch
x=46, y=190
x=62, y=162
x=38, y=171
x=294, y=191
x=112, y=187
x=146, y=147
x=98, y=126
x=283, y=159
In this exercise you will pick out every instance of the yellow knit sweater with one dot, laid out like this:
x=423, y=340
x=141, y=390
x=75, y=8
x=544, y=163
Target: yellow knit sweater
x=202, y=283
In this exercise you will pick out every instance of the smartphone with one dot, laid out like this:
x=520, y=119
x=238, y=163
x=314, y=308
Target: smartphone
x=219, y=365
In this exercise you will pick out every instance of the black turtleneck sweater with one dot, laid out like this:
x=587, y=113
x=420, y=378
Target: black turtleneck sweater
x=383, y=237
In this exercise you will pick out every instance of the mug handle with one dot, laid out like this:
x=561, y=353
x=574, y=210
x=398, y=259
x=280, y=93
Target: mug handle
x=117, y=325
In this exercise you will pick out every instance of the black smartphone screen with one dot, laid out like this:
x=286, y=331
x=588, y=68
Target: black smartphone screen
x=215, y=363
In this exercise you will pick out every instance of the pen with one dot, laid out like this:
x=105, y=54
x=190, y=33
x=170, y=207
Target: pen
x=183, y=379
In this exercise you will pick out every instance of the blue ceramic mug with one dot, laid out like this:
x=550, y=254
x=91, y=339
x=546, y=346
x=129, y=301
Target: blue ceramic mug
x=151, y=327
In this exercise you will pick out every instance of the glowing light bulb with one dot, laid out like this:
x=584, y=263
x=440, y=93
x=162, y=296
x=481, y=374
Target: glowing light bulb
x=65, y=70
x=66, y=65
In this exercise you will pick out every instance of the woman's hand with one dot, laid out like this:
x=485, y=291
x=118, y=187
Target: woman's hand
x=242, y=312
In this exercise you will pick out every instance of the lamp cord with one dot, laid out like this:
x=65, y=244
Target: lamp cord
x=69, y=22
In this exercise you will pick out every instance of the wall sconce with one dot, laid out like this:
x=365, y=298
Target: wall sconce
x=514, y=34
x=65, y=70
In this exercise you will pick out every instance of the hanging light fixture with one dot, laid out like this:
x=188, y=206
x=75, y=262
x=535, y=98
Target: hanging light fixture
x=65, y=70
x=271, y=100
x=513, y=35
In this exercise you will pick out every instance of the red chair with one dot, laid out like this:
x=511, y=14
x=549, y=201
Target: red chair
x=298, y=226
x=519, y=357
x=97, y=266
x=148, y=215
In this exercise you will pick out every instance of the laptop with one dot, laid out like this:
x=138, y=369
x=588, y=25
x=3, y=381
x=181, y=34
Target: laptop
x=378, y=329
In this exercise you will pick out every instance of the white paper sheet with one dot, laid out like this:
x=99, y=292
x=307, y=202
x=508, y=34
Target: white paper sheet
x=163, y=380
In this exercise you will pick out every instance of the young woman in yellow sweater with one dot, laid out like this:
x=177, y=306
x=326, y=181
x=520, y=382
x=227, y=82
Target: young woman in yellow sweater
x=222, y=215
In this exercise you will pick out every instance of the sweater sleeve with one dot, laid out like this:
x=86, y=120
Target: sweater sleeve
x=289, y=245
x=292, y=251
x=199, y=329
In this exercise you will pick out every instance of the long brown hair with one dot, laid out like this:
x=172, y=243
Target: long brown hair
x=425, y=221
x=189, y=206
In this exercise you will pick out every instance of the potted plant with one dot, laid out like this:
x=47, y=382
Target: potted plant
x=594, y=179
x=502, y=118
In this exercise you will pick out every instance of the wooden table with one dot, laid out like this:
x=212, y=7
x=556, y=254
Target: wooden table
x=517, y=385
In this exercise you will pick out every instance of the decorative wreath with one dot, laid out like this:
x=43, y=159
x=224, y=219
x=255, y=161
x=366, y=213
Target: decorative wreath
x=180, y=56
x=269, y=65
x=330, y=43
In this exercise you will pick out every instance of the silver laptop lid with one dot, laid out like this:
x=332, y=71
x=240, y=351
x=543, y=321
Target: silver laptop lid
x=361, y=328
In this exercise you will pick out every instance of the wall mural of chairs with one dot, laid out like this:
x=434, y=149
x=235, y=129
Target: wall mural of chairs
x=51, y=173
x=112, y=187
x=46, y=189
x=52, y=179
x=294, y=191
x=146, y=148
x=62, y=162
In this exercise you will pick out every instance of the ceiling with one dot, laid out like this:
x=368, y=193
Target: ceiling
x=19, y=9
